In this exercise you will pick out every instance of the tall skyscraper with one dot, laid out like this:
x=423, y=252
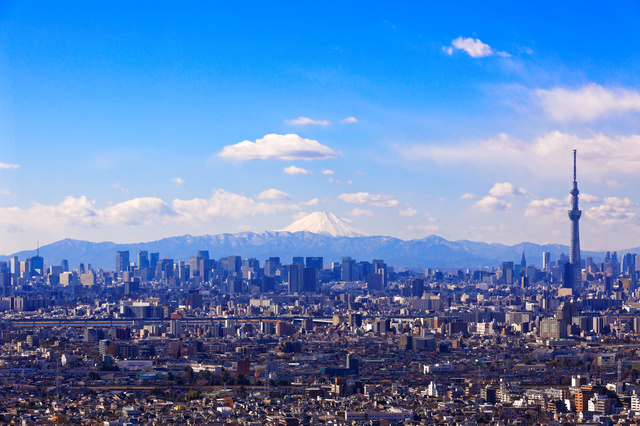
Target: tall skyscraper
x=122, y=260
x=143, y=259
x=154, y=258
x=546, y=260
x=574, y=216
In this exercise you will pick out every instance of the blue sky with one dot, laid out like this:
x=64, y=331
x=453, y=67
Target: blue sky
x=130, y=123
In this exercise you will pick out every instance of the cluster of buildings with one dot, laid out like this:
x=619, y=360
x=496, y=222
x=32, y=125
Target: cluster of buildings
x=237, y=341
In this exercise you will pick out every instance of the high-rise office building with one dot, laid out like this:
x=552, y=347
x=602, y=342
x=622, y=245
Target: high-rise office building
x=14, y=264
x=310, y=280
x=122, y=261
x=296, y=278
x=347, y=268
x=574, y=216
x=315, y=262
x=154, y=258
x=271, y=266
x=546, y=260
x=143, y=259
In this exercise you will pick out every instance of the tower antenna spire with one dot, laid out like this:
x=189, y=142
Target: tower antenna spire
x=574, y=280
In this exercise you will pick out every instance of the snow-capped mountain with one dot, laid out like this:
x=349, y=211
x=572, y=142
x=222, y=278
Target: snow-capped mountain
x=323, y=223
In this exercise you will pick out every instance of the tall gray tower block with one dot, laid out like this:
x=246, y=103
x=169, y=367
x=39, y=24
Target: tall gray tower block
x=574, y=216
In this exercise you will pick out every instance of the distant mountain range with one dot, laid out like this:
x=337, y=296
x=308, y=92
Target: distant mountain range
x=432, y=251
x=331, y=238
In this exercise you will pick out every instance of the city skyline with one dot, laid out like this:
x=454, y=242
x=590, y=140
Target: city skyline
x=132, y=123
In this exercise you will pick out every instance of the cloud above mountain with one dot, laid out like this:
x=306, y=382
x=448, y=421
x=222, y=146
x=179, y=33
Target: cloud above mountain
x=379, y=200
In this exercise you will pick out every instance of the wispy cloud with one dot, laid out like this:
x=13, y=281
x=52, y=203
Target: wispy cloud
x=361, y=212
x=379, y=200
x=293, y=170
x=586, y=103
x=473, y=47
x=598, y=155
x=408, y=212
x=327, y=172
x=305, y=121
x=423, y=228
x=179, y=182
x=467, y=196
x=273, y=194
x=8, y=166
x=349, y=120
x=120, y=187
x=288, y=147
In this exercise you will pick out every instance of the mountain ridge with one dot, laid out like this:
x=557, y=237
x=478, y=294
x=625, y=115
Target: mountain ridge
x=432, y=251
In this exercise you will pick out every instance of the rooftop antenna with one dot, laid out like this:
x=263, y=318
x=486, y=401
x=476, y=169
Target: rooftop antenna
x=37, y=248
x=574, y=165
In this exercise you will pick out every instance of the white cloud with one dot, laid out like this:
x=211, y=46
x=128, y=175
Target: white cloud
x=587, y=198
x=4, y=192
x=305, y=121
x=549, y=154
x=228, y=205
x=380, y=200
x=587, y=103
x=474, y=48
x=423, y=228
x=120, y=187
x=618, y=202
x=9, y=166
x=349, y=120
x=273, y=194
x=492, y=204
x=361, y=212
x=311, y=202
x=80, y=212
x=547, y=208
x=288, y=147
x=299, y=215
x=327, y=172
x=614, y=211
x=179, y=182
x=139, y=211
x=467, y=196
x=408, y=212
x=293, y=170
x=506, y=189
x=72, y=211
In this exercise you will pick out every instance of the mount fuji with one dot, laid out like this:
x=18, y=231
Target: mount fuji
x=323, y=223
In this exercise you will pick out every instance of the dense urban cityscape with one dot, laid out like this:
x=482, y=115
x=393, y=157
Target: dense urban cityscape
x=331, y=213
x=233, y=340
